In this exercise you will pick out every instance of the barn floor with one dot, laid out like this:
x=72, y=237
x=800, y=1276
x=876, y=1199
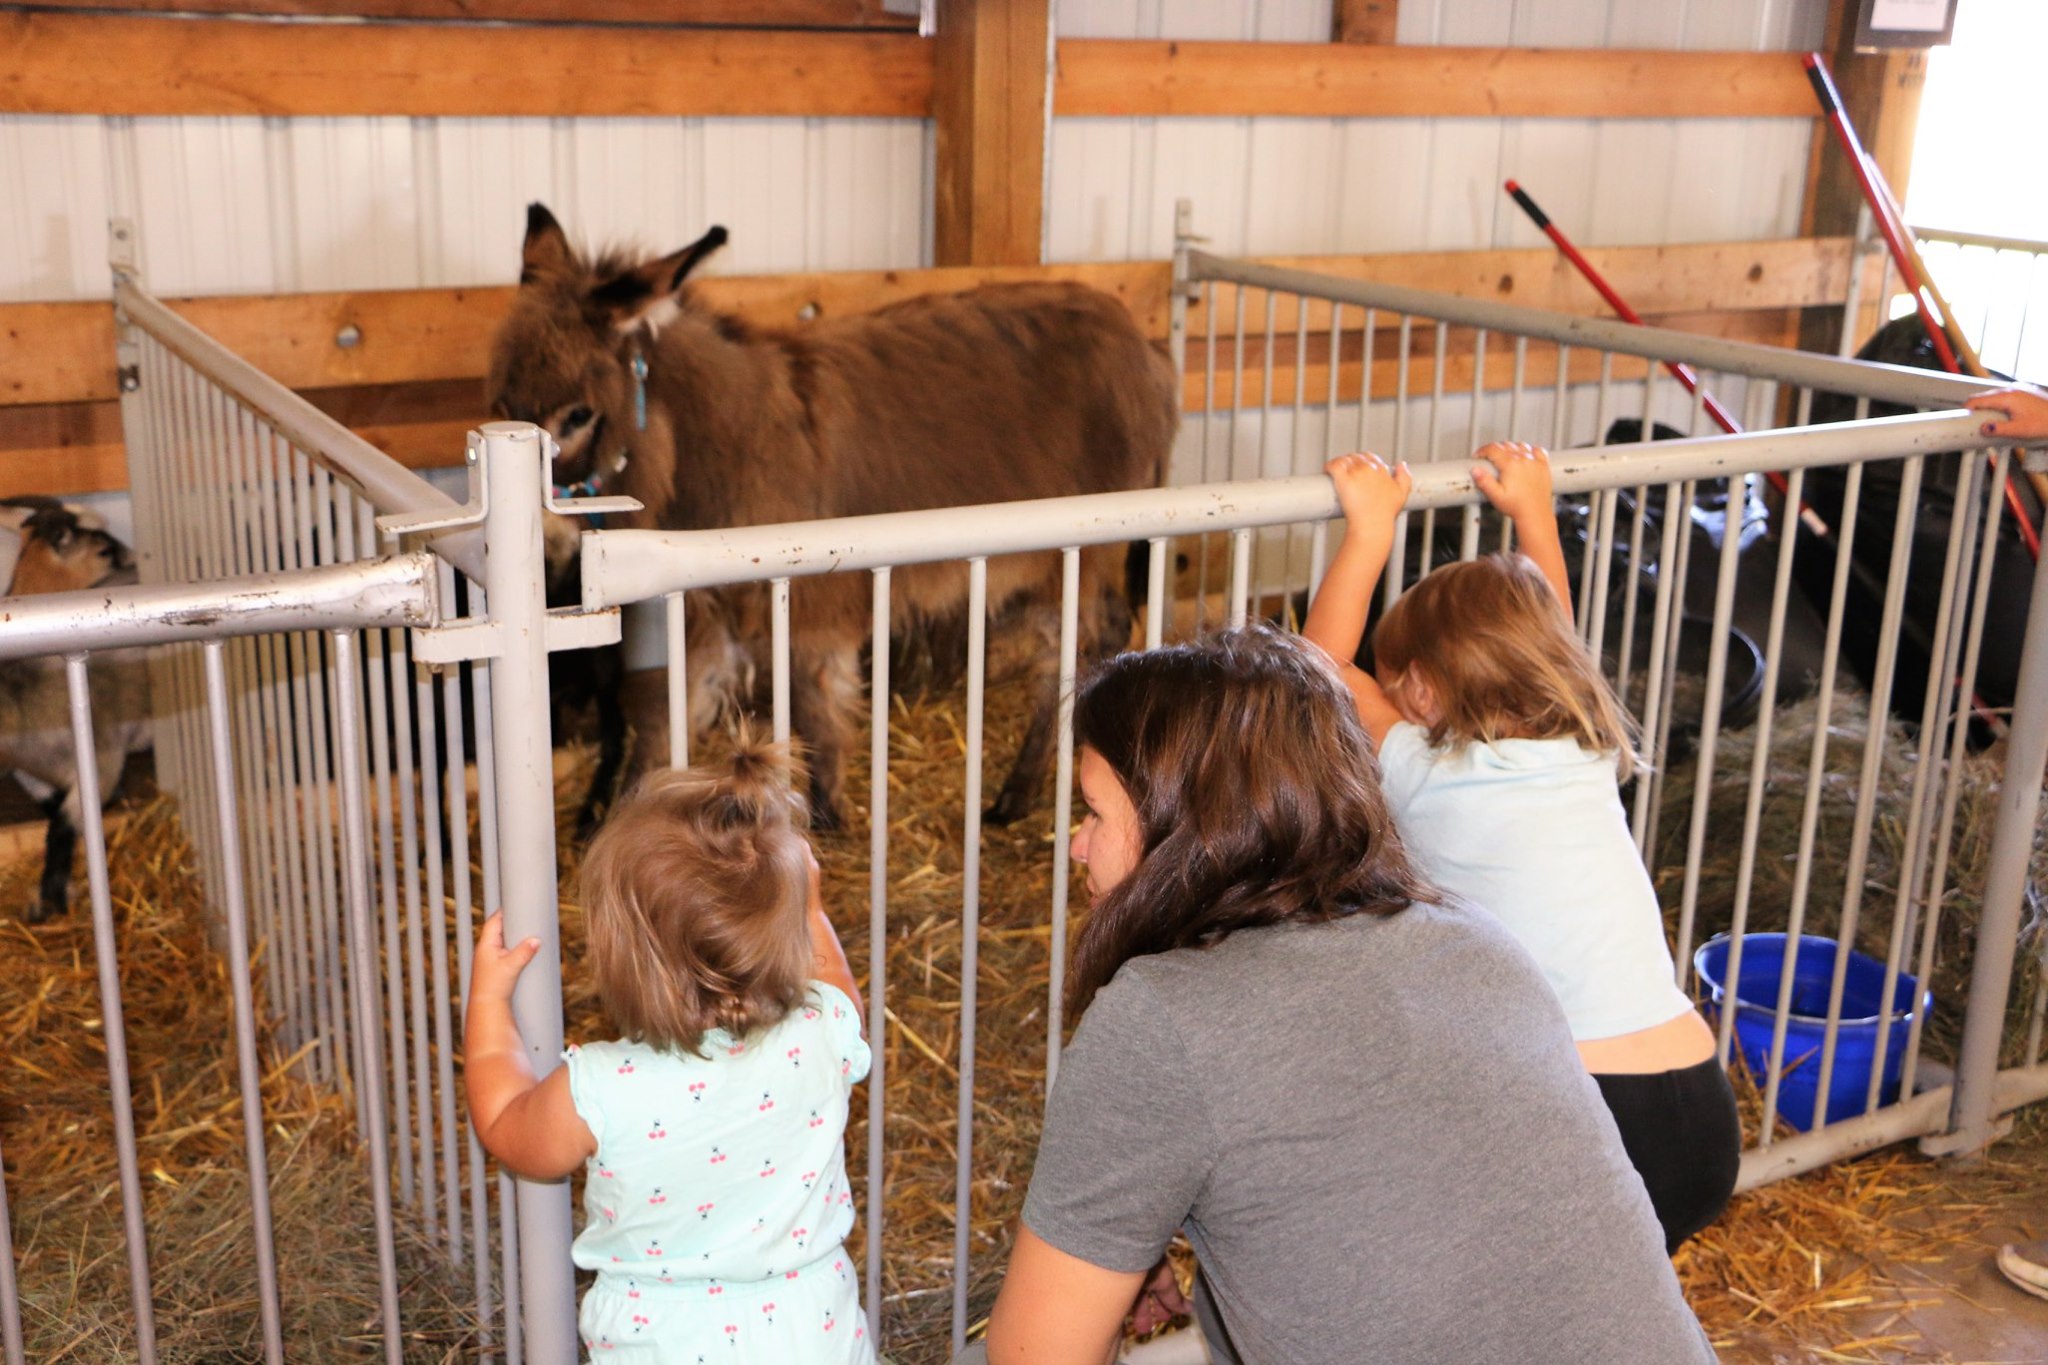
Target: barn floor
x=1952, y=1307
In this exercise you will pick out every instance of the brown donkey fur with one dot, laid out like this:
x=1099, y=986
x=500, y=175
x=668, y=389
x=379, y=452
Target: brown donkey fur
x=999, y=393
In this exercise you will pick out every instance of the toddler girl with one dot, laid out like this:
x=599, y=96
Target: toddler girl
x=1501, y=748
x=716, y=1197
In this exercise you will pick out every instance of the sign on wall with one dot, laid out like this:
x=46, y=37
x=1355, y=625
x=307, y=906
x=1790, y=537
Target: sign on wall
x=1904, y=23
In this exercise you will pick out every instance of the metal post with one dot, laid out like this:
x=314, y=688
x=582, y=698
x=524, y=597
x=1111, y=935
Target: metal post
x=515, y=581
x=2005, y=880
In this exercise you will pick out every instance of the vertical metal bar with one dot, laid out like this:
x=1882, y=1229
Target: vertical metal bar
x=12, y=1349
x=1157, y=606
x=1365, y=380
x=1601, y=553
x=114, y=1028
x=970, y=943
x=878, y=942
x=444, y=1044
x=363, y=971
x=1625, y=651
x=1760, y=755
x=1203, y=542
x=415, y=936
x=493, y=898
x=2005, y=879
x=463, y=912
x=1591, y=563
x=1468, y=533
x=1294, y=435
x=1240, y=576
x=1667, y=671
x=779, y=659
x=1429, y=453
x=1260, y=469
x=1962, y=525
x=368, y=1034
x=284, y=791
x=524, y=779
x=248, y=1067
x=1563, y=392
x=1515, y=393
x=1397, y=555
x=1802, y=875
x=1653, y=677
x=1943, y=833
x=1873, y=760
x=390, y=979
x=1063, y=808
x=678, y=684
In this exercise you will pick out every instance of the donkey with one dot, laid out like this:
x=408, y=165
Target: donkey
x=58, y=548
x=1002, y=392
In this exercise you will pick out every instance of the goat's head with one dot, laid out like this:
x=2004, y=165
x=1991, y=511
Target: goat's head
x=564, y=357
x=62, y=548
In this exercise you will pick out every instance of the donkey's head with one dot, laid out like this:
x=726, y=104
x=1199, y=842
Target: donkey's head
x=566, y=356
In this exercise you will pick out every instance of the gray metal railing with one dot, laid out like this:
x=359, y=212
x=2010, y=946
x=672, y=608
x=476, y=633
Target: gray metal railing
x=320, y=766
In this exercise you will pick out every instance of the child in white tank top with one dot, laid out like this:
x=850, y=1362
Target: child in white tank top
x=1501, y=748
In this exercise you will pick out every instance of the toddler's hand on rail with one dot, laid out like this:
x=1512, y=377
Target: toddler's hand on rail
x=1515, y=477
x=497, y=968
x=2024, y=412
x=1369, y=493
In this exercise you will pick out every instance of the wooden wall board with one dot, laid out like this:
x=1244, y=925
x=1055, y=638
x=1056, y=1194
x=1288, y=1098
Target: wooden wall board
x=722, y=13
x=63, y=352
x=108, y=64
x=1334, y=80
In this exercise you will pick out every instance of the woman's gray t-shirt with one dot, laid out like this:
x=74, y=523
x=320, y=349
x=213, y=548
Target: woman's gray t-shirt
x=1380, y=1140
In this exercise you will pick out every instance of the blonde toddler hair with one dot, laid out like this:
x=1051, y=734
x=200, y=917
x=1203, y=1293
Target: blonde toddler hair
x=1491, y=642
x=695, y=898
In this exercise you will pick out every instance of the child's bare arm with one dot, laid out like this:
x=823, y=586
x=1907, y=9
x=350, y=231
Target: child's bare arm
x=1371, y=495
x=530, y=1126
x=828, y=959
x=2026, y=409
x=1515, y=477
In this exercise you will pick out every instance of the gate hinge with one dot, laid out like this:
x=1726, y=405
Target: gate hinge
x=464, y=641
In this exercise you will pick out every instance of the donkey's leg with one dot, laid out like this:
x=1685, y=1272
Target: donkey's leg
x=1104, y=619
x=824, y=689
x=60, y=842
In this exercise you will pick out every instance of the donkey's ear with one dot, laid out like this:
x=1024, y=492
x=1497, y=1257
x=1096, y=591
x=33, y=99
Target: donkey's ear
x=647, y=293
x=546, y=250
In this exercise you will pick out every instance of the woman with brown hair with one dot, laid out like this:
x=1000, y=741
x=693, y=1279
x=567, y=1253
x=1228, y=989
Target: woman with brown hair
x=1361, y=1105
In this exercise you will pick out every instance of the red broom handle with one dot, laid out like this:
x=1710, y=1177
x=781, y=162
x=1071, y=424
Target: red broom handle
x=1881, y=205
x=1885, y=209
x=1683, y=373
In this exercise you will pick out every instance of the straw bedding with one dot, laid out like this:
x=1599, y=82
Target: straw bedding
x=1789, y=1262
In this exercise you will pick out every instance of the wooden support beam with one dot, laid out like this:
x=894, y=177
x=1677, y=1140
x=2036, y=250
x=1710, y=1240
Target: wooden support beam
x=1338, y=80
x=1364, y=21
x=1881, y=93
x=62, y=353
x=706, y=13
x=107, y=64
x=989, y=107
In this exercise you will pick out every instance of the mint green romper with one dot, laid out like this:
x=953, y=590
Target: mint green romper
x=717, y=1203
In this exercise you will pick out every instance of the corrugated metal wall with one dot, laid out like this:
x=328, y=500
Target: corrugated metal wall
x=251, y=205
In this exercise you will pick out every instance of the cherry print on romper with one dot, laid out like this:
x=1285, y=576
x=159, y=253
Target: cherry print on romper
x=656, y=1132
x=769, y=1309
x=795, y=1056
x=715, y=1288
x=829, y=1323
x=716, y=1156
x=704, y=1210
x=632, y=1290
x=800, y=1235
x=653, y=1248
x=610, y=1215
x=809, y=1013
x=816, y=1120
x=767, y=1168
x=767, y=1102
x=605, y=1173
x=626, y=1067
x=696, y=1090
x=657, y=1197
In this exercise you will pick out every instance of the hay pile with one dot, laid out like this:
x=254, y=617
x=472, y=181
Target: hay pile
x=61, y=1172
x=1790, y=1261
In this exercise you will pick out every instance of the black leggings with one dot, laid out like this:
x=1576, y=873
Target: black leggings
x=1684, y=1138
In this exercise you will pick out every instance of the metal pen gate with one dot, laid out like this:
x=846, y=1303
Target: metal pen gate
x=319, y=768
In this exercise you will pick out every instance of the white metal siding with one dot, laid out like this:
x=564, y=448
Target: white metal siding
x=250, y=205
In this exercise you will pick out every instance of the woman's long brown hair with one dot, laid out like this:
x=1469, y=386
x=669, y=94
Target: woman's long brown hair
x=1257, y=795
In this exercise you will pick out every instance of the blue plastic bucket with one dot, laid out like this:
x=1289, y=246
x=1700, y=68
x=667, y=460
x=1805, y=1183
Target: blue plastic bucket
x=1756, y=1003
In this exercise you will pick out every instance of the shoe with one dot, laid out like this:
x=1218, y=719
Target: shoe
x=2026, y=1266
